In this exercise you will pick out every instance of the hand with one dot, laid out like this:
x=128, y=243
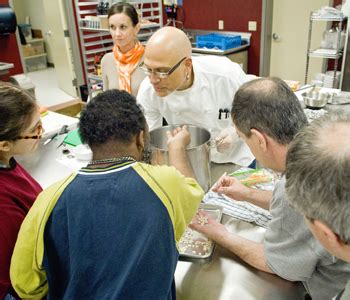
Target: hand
x=179, y=137
x=225, y=139
x=231, y=187
x=212, y=228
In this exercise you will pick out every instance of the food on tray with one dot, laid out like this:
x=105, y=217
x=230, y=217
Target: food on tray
x=253, y=177
x=191, y=244
x=194, y=244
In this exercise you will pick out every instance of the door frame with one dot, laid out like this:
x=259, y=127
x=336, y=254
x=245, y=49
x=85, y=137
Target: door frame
x=19, y=45
x=68, y=10
x=75, y=43
x=266, y=36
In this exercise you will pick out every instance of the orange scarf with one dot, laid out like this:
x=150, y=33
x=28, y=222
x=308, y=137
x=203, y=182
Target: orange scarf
x=127, y=63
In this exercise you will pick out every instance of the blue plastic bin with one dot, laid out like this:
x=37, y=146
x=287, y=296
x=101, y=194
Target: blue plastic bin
x=220, y=41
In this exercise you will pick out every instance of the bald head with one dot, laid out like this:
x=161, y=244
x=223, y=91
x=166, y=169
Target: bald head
x=169, y=50
x=265, y=85
x=334, y=139
x=168, y=44
x=325, y=141
x=269, y=105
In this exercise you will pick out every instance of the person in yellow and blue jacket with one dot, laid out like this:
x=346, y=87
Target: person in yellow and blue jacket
x=110, y=230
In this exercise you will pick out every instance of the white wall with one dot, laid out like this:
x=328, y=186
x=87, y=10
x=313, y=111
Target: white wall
x=35, y=10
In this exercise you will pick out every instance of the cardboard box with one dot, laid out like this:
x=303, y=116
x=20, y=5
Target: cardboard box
x=103, y=22
x=37, y=33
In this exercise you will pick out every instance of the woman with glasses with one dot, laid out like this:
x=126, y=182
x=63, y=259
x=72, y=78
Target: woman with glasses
x=20, y=133
x=120, y=67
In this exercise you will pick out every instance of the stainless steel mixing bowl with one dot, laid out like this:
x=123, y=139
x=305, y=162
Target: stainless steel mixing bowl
x=314, y=99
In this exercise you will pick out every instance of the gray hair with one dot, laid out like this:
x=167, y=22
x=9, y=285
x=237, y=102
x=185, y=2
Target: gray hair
x=318, y=172
x=269, y=105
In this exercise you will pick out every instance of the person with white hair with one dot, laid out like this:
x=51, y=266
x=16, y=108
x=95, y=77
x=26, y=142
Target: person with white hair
x=318, y=174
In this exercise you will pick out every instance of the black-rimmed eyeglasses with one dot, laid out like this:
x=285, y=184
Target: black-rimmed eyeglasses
x=161, y=75
x=39, y=129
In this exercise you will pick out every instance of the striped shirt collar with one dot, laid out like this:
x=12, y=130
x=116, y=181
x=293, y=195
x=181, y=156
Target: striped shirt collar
x=118, y=166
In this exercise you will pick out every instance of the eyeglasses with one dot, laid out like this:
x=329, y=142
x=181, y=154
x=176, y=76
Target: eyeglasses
x=39, y=129
x=160, y=75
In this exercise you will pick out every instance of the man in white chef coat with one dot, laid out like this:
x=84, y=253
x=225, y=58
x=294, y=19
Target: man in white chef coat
x=268, y=122
x=318, y=172
x=195, y=90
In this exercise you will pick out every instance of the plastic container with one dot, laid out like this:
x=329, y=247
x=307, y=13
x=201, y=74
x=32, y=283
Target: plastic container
x=38, y=46
x=36, y=63
x=26, y=29
x=219, y=41
x=35, y=47
x=28, y=50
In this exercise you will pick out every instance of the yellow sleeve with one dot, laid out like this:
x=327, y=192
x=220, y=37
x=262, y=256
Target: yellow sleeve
x=181, y=195
x=27, y=275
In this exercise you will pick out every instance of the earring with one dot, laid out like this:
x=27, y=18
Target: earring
x=187, y=76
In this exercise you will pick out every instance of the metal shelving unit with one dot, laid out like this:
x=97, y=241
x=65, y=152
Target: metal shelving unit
x=97, y=40
x=334, y=54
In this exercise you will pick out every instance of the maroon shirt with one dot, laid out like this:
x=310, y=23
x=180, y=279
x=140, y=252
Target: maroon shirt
x=18, y=190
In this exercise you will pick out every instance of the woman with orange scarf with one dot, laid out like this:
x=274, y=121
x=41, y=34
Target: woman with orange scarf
x=120, y=67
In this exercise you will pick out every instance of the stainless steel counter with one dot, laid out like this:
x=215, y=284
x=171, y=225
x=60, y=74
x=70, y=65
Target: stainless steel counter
x=42, y=164
x=223, y=277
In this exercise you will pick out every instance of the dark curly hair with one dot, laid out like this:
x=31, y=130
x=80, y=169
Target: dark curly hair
x=16, y=109
x=111, y=115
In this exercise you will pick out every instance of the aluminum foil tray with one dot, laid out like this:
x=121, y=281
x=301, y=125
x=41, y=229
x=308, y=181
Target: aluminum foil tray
x=194, y=245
